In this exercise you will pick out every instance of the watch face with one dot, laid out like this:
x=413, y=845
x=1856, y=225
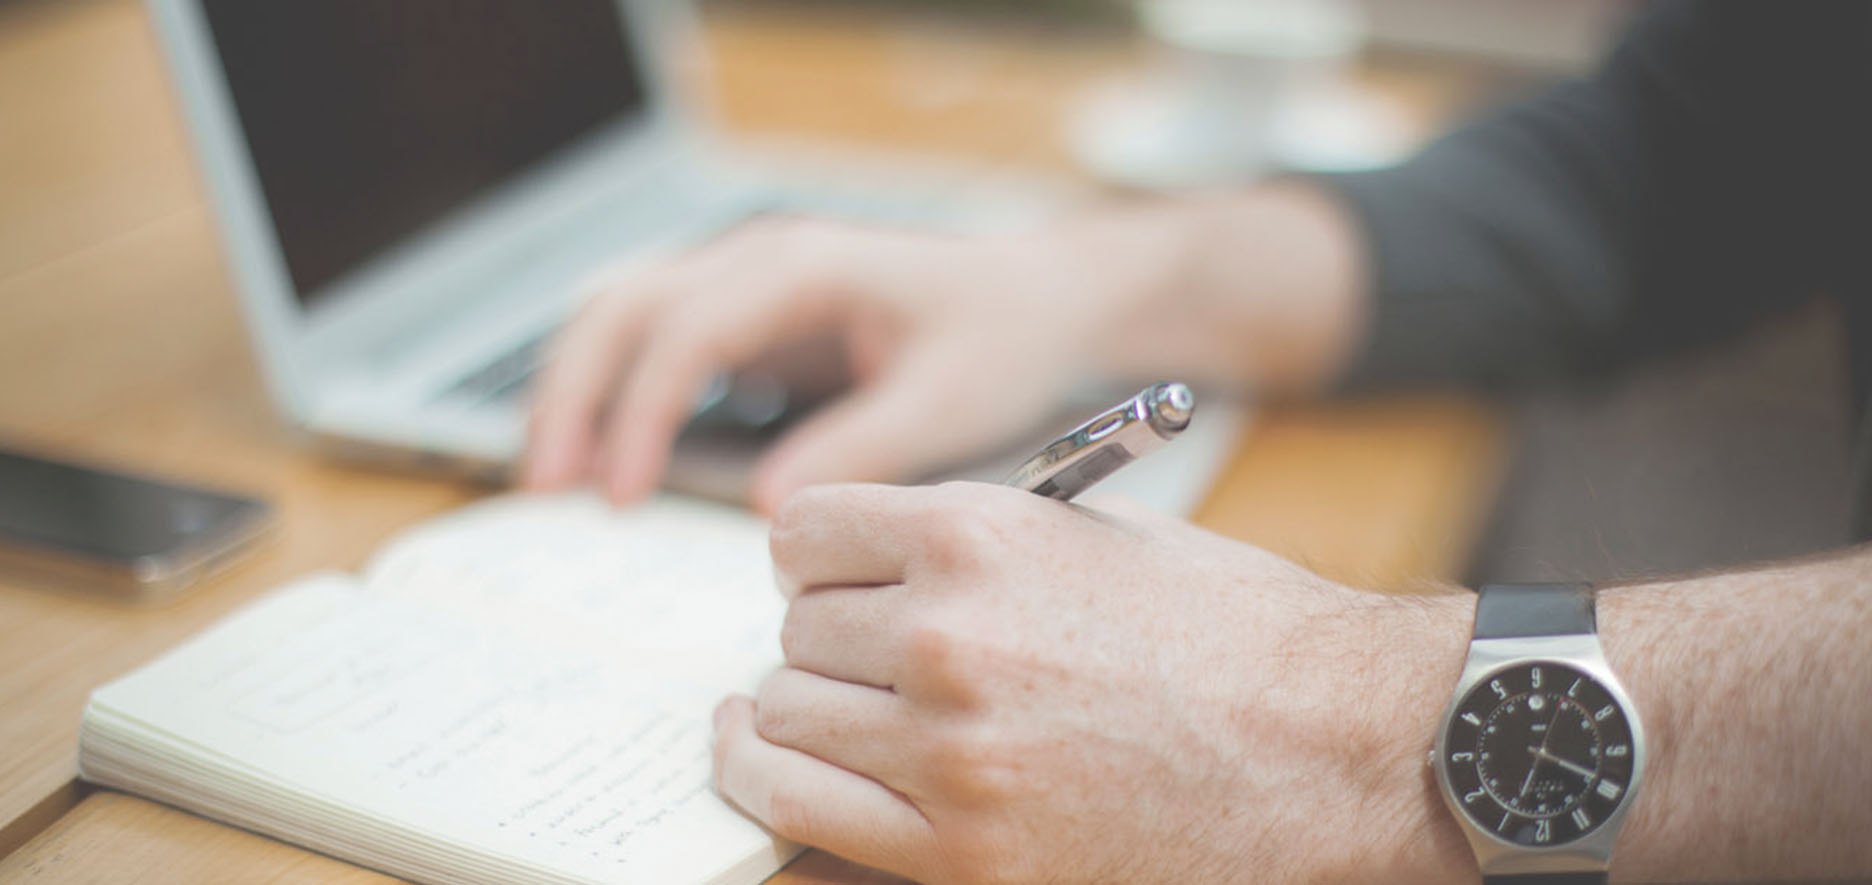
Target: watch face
x=1539, y=754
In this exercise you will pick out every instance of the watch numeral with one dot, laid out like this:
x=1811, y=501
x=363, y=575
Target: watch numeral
x=1472, y=719
x=1470, y=798
x=1604, y=712
x=1575, y=688
x=1609, y=789
x=1535, y=678
x=1497, y=686
x=1462, y=757
x=1580, y=819
x=1543, y=830
x=1618, y=750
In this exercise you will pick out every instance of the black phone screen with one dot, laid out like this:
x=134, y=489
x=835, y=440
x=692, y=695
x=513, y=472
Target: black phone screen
x=103, y=515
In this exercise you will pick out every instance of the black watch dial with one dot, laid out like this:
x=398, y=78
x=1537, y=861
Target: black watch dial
x=1539, y=754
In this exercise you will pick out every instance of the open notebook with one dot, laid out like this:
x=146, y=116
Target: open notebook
x=517, y=692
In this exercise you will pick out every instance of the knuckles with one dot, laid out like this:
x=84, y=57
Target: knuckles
x=934, y=650
x=801, y=510
x=962, y=532
x=805, y=252
x=790, y=531
x=791, y=815
x=951, y=658
x=776, y=704
x=957, y=528
x=769, y=722
x=790, y=635
x=972, y=766
x=957, y=541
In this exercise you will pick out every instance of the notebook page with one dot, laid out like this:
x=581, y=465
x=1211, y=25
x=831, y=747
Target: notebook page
x=670, y=578
x=433, y=729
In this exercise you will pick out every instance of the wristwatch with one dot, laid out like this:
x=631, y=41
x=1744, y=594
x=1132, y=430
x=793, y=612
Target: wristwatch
x=1541, y=751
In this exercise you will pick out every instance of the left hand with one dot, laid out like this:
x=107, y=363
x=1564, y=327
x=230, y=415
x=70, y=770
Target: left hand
x=983, y=685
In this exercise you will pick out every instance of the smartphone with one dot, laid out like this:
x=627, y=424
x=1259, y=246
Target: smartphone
x=134, y=537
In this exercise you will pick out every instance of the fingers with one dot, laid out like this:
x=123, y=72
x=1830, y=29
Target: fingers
x=852, y=634
x=843, y=535
x=582, y=363
x=725, y=321
x=860, y=534
x=811, y=801
x=855, y=727
x=675, y=305
x=647, y=348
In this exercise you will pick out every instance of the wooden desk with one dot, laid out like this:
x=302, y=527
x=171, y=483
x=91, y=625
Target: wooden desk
x=120, y=341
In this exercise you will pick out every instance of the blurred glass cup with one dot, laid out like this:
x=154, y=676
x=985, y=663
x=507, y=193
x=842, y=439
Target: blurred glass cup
x=1248, y=85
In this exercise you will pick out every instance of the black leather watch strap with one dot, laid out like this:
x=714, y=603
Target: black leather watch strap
x=1547, y=879
x=1509, y=610
x=1505, y=611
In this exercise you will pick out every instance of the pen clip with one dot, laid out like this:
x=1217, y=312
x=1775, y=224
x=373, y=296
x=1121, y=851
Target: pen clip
x=1113, y=438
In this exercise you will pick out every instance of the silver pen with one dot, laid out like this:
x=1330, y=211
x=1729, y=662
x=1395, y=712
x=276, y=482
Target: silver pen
x=1097, y=448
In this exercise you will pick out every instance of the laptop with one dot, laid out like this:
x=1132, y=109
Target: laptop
x=409, y=193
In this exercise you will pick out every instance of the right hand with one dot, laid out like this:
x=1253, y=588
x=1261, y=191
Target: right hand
x=955, y=345
x=983, y=685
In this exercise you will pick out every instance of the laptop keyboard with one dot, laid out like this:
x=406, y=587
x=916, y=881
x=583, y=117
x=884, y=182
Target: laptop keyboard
x=506, y=377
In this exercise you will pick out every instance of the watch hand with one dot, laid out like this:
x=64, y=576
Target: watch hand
x=1547, y=735
x=1576, y=768
x=1529, y=782
x=1538, y=753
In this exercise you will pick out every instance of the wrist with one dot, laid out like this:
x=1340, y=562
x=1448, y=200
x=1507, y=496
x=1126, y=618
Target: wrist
x=1263, y=289
x=1434, y=642
x=1418, y=643
x=1293, y=260
x=1128, y=266
x=1642, y=657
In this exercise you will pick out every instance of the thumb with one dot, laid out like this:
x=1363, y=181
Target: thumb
x=1130, y=510
x=1119, y=504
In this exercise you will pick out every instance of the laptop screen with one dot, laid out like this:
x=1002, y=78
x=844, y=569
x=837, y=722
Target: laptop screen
x=369, y=119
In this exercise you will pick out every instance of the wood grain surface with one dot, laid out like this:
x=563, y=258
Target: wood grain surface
x=120, y=342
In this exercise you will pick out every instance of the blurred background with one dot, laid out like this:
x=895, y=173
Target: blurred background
x=1694, y=462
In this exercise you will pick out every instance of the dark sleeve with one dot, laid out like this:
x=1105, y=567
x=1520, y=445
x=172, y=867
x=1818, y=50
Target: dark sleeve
x=1675, y=196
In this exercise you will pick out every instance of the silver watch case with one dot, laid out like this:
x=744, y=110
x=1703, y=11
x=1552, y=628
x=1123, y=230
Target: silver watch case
x=1499, y=856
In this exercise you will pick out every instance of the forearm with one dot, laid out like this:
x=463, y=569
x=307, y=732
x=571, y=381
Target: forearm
x=1755, y=688
x=1261, y=289
x=1658, y=205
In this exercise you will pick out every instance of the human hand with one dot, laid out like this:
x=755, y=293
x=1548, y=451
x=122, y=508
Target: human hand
x=955, y=344
x=986, y=686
